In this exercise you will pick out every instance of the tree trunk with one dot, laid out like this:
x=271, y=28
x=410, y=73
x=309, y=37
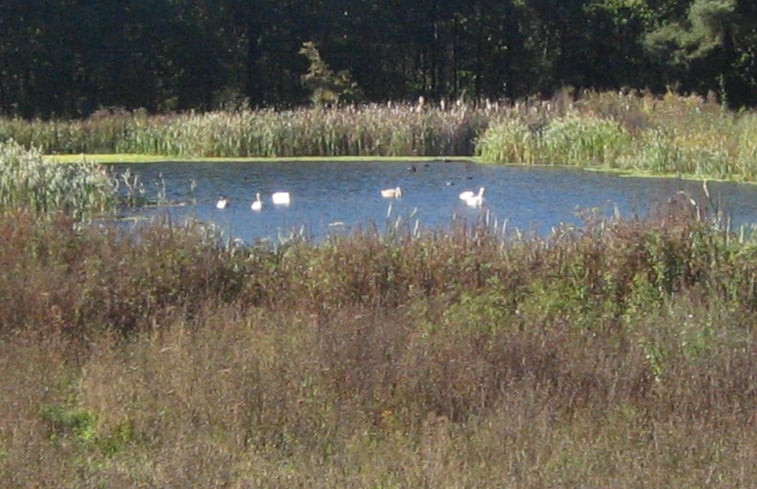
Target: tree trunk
x=254, y=88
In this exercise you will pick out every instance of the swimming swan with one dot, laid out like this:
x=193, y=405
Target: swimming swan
x=391, y=193
x=466, y=195
x=222, y=203
x=257, y=204
x=281, y=198
x=476, y=200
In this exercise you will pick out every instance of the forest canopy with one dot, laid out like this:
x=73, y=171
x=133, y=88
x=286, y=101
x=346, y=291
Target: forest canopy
x=69, y=58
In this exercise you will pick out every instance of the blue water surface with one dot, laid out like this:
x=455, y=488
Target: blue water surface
x=340, y=197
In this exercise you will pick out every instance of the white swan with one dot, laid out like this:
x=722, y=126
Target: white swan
x=476, y=200
x=392, y=193
x=466, y=195
x=257, y=204
x=281, y=198
x=222, y=203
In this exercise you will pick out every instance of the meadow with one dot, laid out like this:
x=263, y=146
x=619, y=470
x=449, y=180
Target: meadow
x=628, y=131
x=616, y=354
x=619, y=353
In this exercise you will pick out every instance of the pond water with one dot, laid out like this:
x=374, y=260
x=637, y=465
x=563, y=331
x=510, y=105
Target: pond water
x=338, y=197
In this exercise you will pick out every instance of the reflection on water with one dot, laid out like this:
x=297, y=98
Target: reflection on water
x=338, y=197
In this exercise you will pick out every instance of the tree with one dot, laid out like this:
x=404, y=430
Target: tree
x=615, y=53
x=712, y=48
x=326, y=87
x=64, y=58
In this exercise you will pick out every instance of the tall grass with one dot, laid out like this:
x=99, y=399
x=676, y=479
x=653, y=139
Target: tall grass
x=28, y=181
x=669, y=135
x=372, y=130
x=672, y=134
x=96, y=134
x=616, y=354
x=569, y=140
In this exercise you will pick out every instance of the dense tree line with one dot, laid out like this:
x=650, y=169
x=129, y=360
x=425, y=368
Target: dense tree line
x=64, y=58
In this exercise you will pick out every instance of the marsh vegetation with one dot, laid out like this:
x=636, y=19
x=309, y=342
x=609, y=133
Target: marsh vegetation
x=618, y=353
x=28, y=180
x=672, y=135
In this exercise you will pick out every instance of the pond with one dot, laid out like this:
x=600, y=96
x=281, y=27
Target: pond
x=339, y=197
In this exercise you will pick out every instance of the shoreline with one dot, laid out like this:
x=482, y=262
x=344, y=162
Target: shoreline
x=116, y=158
x=108, y=158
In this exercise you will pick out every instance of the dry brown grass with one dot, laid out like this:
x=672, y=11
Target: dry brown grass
x=618, y=355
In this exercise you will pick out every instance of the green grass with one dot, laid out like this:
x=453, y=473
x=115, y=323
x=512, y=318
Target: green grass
x=674, y=134
x=143, y=158
x=371, y=130
x=28, y=180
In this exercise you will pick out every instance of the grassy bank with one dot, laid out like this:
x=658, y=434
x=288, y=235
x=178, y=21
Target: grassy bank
x=668, y=136
x=27, y=180
x=373, y=130
x=105, y=158
x=635, y=132
x=620, y=354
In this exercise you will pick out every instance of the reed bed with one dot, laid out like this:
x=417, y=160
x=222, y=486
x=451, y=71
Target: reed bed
x=370, y=130
x=96, y=134
x=635, y=132
x=615, y=354
x=631, y=131
x=27, y=180
x=374, y=130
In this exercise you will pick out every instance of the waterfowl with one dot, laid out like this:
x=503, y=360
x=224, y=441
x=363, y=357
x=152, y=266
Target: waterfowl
x=476, y=200
x=257, y=204
x=222, y=203
x=466, y=195
x=281, y=198
x=391, y=193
